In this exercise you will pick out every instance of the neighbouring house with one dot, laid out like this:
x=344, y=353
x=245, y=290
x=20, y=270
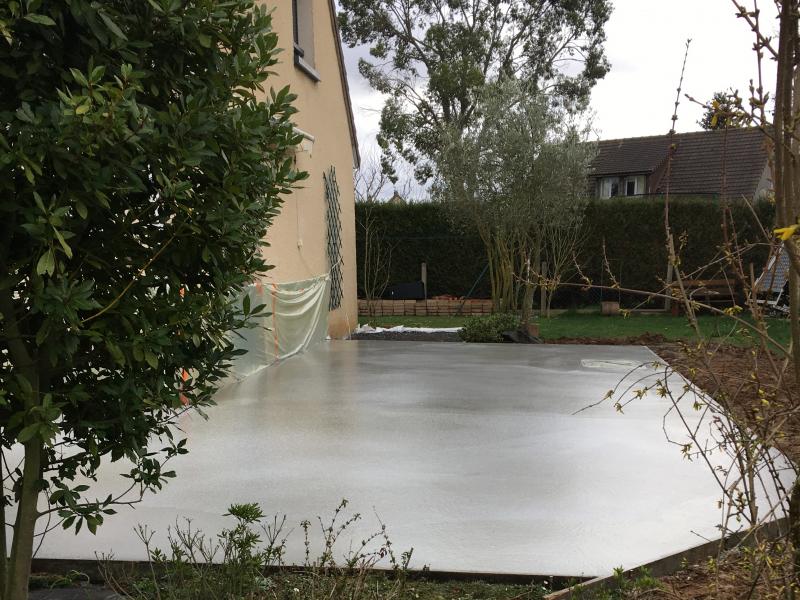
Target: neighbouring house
x=311, y=291
x=396, y=199
x=732, y=162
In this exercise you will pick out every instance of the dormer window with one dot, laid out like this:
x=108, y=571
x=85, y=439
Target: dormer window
x=632, y=185
x=303, y=29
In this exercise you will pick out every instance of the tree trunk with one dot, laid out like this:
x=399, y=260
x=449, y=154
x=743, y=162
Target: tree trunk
x=794, y=526
x=19, y=565
x=3, y=548
x=794, y=318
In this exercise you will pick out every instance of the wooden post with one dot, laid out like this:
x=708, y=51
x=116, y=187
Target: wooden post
x=424, y=278
x=542, y=290
x=668, y=300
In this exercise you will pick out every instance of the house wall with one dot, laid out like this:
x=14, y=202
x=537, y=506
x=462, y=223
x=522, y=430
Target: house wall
x=298, y=237
x=765, y=183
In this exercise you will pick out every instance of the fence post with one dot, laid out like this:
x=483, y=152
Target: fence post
x=668, y=300
x=543, y=290
x=424, y=278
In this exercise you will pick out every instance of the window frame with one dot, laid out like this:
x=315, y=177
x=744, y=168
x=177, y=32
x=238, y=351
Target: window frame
x=304, y=48
x=613, y=186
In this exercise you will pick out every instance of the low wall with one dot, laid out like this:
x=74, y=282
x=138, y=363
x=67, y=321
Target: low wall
x=424, y=308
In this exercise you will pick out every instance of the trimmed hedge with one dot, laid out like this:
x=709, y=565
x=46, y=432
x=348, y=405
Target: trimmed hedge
x=632, y=230
x=422, y=233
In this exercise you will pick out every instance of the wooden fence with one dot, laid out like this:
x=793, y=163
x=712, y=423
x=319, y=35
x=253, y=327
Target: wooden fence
x=424, y=308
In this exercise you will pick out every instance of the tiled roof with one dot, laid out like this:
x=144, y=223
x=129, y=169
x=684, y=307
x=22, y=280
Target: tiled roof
x=697, y=164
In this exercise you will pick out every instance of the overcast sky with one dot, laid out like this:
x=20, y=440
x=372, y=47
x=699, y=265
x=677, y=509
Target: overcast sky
x=645, y=45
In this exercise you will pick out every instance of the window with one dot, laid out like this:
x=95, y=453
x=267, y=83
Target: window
x=303, y=30
x=635, y=185
x=608, y=187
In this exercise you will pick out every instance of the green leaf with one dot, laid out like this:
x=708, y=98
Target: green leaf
x=43, y=332
x=116, y=352
x=24, y=384
x=40, y=20
x=205, y=40
x=39, y=202
x=28, y=433
x=46, y=264
x=81, y=208
x=79, y=77
x=24, y=113
x=97, y=73
x=151, y=359
x=64, y=245
x=112, y=26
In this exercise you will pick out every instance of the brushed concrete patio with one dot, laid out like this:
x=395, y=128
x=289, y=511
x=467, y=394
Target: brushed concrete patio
x=470, y=453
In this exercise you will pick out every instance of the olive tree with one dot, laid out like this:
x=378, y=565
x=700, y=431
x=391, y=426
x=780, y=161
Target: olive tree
x=519, y=176
x=432, y=58
x=140, y=167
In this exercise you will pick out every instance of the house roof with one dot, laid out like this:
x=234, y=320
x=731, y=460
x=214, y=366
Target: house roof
x=697, y=165
x=345, y=85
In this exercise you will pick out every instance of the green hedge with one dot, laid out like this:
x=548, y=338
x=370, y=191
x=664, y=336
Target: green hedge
x=421, y=232
x=631, y=229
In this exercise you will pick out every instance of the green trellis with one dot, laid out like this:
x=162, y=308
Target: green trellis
x=333, y=215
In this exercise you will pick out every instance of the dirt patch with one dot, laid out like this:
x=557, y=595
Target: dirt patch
x=646, y=339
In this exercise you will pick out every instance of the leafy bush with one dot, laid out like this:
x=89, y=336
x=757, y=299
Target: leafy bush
x=488, y=328
x=142, y=161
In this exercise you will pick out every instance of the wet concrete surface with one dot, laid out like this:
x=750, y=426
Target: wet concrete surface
x=471, y=454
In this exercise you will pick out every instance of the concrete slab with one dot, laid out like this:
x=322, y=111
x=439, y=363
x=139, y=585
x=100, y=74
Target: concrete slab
x=472, y=454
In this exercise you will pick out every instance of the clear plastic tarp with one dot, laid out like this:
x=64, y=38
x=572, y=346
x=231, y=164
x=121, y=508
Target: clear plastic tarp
x=298, y=319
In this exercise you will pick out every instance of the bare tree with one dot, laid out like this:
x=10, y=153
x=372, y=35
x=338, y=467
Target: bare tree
x=377, y=256
x=369, y=179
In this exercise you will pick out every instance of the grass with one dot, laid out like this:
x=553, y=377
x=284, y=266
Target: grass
x=594, y=325
x=287, y=584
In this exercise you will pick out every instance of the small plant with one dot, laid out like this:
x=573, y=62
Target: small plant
x=243, y=562
x=636, y=584
x=489, y=328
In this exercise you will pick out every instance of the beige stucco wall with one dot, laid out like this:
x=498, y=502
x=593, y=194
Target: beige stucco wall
x=298, y=237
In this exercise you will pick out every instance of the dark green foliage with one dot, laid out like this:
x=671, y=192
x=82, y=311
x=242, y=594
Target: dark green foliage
x=632, y=230
x=422, y=232
x=488, y=328
x=431, y=60
x=138, y=177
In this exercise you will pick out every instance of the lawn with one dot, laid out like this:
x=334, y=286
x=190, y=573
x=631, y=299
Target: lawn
x=594, y=325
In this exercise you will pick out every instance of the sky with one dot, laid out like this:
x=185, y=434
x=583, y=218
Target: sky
x=645, y=46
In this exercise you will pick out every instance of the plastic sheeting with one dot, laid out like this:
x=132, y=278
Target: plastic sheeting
x=298, y=320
